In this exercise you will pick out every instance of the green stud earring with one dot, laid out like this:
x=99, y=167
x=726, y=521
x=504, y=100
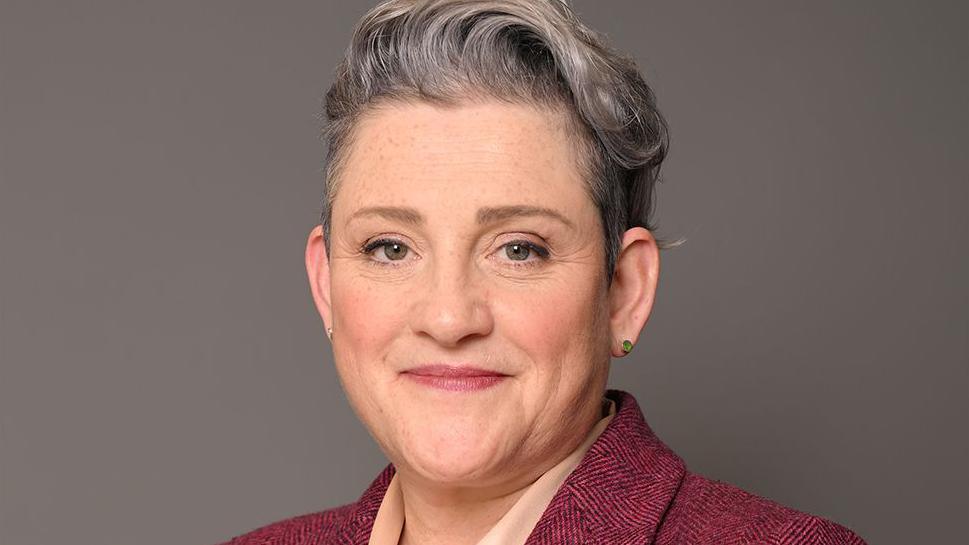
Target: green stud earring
x=627, y=346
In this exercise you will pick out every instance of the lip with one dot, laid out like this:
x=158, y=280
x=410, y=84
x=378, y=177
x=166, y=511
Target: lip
x=457, y=371
x=455, y=378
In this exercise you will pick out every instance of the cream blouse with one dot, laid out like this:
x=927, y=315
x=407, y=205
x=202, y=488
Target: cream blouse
x=517, y=524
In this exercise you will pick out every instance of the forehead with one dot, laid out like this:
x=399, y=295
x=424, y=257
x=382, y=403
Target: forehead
x=488, y=150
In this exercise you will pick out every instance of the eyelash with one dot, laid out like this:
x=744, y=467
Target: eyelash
x=540, y=251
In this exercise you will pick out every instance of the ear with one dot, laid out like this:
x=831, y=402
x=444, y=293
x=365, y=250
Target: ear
x=633, y=288
x=318, y=270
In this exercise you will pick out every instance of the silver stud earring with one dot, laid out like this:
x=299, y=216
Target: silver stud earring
x=329, y=333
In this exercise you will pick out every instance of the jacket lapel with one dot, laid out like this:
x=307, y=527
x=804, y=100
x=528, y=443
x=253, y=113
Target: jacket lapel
x=359, y=522
x=620, y=491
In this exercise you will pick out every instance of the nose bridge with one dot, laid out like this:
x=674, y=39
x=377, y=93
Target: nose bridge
x=453, y=305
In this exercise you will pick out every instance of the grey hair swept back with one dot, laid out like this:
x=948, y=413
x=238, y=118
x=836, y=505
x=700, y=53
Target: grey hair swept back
x=534, y=52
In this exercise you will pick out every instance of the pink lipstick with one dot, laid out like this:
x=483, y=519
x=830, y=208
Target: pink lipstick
x=455, y=379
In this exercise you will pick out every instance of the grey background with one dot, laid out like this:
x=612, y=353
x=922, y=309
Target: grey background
x=164, y=377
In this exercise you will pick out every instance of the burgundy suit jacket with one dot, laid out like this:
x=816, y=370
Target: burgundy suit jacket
x=630, y=488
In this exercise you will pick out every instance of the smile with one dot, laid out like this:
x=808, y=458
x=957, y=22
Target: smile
x=454, y=379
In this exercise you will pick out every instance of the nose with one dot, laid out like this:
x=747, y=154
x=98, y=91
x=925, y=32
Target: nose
x=452, y=306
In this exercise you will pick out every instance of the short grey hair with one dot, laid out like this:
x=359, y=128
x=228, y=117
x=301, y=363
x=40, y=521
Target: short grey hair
x=533, y=52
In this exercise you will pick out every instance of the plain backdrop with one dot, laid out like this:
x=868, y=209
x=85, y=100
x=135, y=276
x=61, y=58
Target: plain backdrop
x=164, y=376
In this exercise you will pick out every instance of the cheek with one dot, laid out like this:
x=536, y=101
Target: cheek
x=366, y=317
x=366, y=322
x=554, y=325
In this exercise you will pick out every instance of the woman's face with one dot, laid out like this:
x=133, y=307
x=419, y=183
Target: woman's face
x=464, y=238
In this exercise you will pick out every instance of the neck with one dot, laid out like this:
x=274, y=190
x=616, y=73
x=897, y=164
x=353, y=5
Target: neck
x=458, y=516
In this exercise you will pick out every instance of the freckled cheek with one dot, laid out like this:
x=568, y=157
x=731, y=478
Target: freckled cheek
x=367, y=318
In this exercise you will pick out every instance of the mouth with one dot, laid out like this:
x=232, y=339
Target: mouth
x=454, y=378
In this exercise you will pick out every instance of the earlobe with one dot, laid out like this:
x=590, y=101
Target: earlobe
x=633, y=288
x=318, y=272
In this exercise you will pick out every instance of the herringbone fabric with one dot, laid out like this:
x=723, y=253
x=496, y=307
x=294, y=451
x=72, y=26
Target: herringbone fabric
x=630, y=489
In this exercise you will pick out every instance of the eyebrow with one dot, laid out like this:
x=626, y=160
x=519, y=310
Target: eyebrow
x=501, y=213
x=486, y=215
x=394, y=213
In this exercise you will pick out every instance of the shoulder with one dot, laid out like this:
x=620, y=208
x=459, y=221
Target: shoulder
x=707, y=511
x=313, y=528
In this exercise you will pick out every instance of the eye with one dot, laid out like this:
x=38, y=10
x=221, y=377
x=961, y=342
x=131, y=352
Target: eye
x=517, y=252
x=385, y=250
x=521, y=250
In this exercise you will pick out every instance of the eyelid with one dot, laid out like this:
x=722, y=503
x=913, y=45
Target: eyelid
x=523, y=237
x=377, y=242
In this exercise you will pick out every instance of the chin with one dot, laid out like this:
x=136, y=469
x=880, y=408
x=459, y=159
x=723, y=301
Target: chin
x=453, y=462
x=452, y=472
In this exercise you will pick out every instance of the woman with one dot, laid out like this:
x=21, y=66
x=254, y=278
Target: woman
x=485, y=249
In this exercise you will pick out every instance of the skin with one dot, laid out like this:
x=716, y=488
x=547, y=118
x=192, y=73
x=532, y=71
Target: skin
x=458, y=291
